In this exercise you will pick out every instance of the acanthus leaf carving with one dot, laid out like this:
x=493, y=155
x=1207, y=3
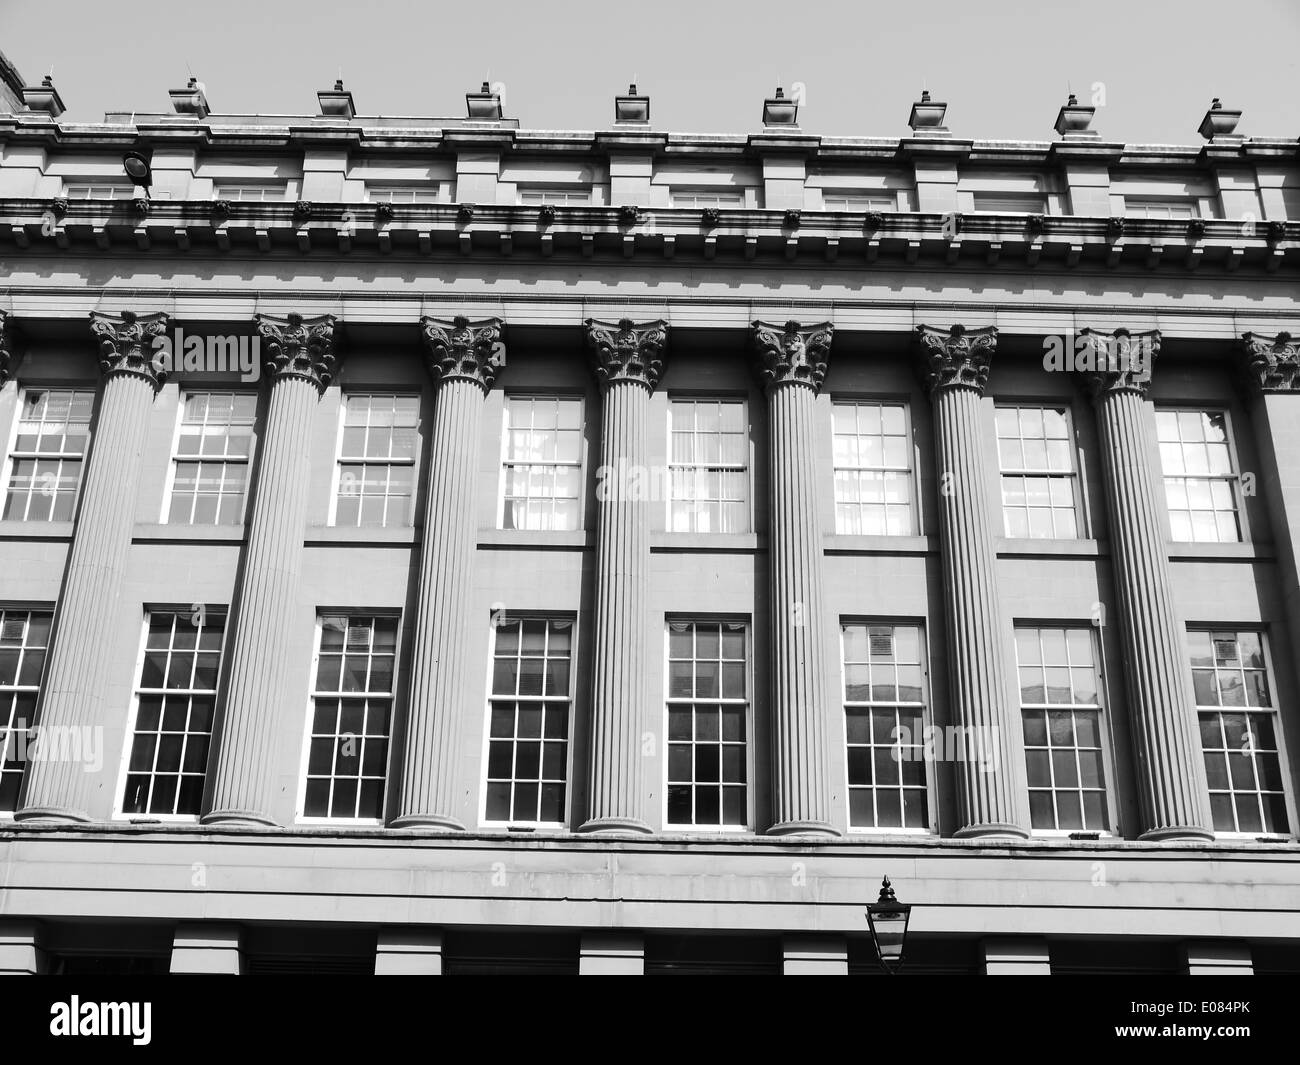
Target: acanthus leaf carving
x=300, y=347
x=627, y=351
x=792, y=353
x=956, y=357
x=1270, y=364
x=126, y=344
x=1118, y=362
x=465, y=350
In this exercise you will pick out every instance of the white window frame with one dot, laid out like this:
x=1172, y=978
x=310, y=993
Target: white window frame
x=505, y=464
x=725, y=199
x=7, y=722
x=748, y=468
x=859, y=201
x=169, y=483
x=429, y=191
x=1081, y=528
x=927, y=721
x=234, y=191
x=133, y=714
x=914, y=503
x=1024, y=202
x=304, y=761
x=1136, y=206
x=544, y=700
x=13, y=443
x=336, y=476
x=1233, y=478
x=750, y=695
x=528, y=195
x=1105, y=738
x=1279, y=732
x=83, y=188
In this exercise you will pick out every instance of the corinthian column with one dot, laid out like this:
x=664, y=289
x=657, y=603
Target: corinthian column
x=1270, y=370
x=1170, y=770
x=954, y=367
x=301, y=362
x=72, y=695
x=463, y=359
x=791, y=362
x=627, y=359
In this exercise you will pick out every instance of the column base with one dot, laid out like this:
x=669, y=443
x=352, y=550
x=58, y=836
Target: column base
x=236, y=818
x=429, y=822
x=1178, y=833
x=804, y=828
x=59, y=814
x=1004, y=831
x=616, y=825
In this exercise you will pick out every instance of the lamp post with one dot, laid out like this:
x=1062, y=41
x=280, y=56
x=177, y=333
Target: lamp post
x=138, y=170
x=887, y=918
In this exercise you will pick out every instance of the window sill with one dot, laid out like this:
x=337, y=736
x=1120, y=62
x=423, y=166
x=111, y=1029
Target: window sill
x=1246, y=552
x=569, y=539
x=36, y=530
x=1024, y=548
x=841, y=544
x=359, y=536
x=711, y=543
x=179, y=534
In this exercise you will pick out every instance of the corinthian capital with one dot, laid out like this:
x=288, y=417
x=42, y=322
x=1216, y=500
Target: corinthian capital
x=627, y=351
x=1120, y=362
x=956, y=357
x=1270, y=364
x=300, y=347
x=470, y=351
x=8, y=356
x=126, y=344
x=792, y=354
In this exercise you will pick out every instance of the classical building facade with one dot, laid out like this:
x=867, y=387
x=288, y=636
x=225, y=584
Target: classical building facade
x=436, y=546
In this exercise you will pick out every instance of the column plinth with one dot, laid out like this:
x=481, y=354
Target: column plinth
x=301, y=363
x=627, y=359
x=954, y=369
x=1170, y=771
x=72, y=693
x=791, y=361
x=463, y=359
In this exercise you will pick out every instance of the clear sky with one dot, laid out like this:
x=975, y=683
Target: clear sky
x=1003, y=66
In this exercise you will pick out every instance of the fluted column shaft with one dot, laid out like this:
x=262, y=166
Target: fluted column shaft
x=463, y=362
x=264, y=615
x=799, y=703
x=988, y=799
x=81, y=653
x=622, y=567
x=1170, y=770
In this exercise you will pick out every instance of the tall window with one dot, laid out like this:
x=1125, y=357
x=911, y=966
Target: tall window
x=427, y=192
x=24, y=639
x=542, y=476
x=873, y=469
x=351, y=717
x=859, y=201
x=1200, y=482
x=1238, y=731
x=884, y=712
x=1011, y=202
x=376, y=474
x=528, y=735
x=210, y=474
x=1061, y=708
x=707, y=198
x=1039, y=491
x=175, y=701
x=249, y=193
x=708, y=724
x=557, y=197
x=708, y=466
x=48, y=453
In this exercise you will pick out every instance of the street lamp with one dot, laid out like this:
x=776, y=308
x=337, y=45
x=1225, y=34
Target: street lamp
x=138, y=170
x=887, y=918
